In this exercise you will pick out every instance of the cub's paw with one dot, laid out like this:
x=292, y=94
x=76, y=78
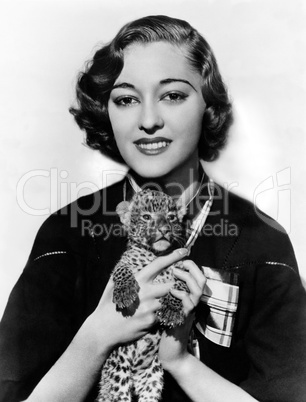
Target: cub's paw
x=125, y=294
x=171, y=312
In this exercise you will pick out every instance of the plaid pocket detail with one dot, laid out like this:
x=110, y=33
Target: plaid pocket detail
x=221, y=295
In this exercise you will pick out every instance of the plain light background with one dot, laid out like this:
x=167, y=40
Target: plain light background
x=260, y=47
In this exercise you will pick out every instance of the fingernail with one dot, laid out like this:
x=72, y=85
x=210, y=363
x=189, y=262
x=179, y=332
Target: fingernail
x=183, y=251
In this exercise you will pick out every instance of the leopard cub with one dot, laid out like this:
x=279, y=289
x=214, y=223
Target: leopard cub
x=154, y=226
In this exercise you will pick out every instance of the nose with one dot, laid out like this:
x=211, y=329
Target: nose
x=163, y=226
x=150, y=119
x=164, y=229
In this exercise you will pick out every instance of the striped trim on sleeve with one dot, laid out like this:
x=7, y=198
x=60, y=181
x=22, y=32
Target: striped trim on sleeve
x=221, y=295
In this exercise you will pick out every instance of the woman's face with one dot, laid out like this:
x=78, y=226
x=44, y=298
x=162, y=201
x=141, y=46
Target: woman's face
x=156, y=109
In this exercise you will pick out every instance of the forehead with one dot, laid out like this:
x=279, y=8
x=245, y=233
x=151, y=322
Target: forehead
x=156, y=61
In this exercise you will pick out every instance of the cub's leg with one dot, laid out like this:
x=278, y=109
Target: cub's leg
x=116, y=379
x=149, y=382
x=126, y=286
x=171, y=312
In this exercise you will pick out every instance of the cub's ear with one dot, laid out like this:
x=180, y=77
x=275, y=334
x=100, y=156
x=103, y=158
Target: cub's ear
x=123, y=210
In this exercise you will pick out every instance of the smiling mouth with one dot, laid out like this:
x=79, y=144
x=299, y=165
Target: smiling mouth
x=152, y=147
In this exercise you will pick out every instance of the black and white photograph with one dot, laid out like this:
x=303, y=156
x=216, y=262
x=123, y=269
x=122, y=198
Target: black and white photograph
x=153, y=195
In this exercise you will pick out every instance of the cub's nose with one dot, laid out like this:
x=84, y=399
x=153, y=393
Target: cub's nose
x=164, y=229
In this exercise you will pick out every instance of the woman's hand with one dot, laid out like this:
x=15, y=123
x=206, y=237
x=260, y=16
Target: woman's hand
x=100, y=333
x=197, y=380
x=173, y=345
x=110, y=327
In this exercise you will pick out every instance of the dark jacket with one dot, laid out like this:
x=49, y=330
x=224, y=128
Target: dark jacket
x=74, y=253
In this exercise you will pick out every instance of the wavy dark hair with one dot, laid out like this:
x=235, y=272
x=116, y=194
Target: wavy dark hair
x=95, y=84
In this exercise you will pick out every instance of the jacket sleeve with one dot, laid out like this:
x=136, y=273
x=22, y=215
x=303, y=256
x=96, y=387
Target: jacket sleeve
x=276, y=336
x=38, y=322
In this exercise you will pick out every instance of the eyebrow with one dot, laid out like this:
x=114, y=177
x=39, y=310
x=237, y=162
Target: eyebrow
x=162, y=82
x=170, y=80
x=123, y=85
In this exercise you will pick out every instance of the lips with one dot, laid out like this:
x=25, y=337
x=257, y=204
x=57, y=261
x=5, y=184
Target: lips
x=152, y=146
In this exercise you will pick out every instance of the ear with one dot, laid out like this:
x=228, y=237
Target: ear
x=124, y=211
x=181, y=210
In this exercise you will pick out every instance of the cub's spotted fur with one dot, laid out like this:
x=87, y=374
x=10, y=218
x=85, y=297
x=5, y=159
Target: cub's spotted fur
x=154, y=226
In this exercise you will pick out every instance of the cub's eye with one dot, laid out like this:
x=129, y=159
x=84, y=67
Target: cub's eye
x=171, y=217
x=146, y=217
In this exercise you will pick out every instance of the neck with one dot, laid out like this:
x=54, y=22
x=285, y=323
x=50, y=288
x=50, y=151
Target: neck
x=176, y=185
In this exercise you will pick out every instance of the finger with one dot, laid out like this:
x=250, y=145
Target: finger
x=194, y=288
x=151, y=307
x=154, y=268
x=155, y=290
x=185, y=298
x=195, y=271
x=161, y=289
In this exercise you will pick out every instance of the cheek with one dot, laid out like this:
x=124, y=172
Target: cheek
x=124, y=134
x=191, y=128
x=190, y=120
x=120, y=121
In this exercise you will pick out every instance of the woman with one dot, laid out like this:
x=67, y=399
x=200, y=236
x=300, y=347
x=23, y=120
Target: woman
x=154, y=98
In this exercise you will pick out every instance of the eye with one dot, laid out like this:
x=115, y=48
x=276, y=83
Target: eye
x=174, y=97
x=126, y=101
x=171, y=217
x=146, y=217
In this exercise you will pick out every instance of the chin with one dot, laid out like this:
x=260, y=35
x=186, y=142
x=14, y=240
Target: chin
x=150, y=168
